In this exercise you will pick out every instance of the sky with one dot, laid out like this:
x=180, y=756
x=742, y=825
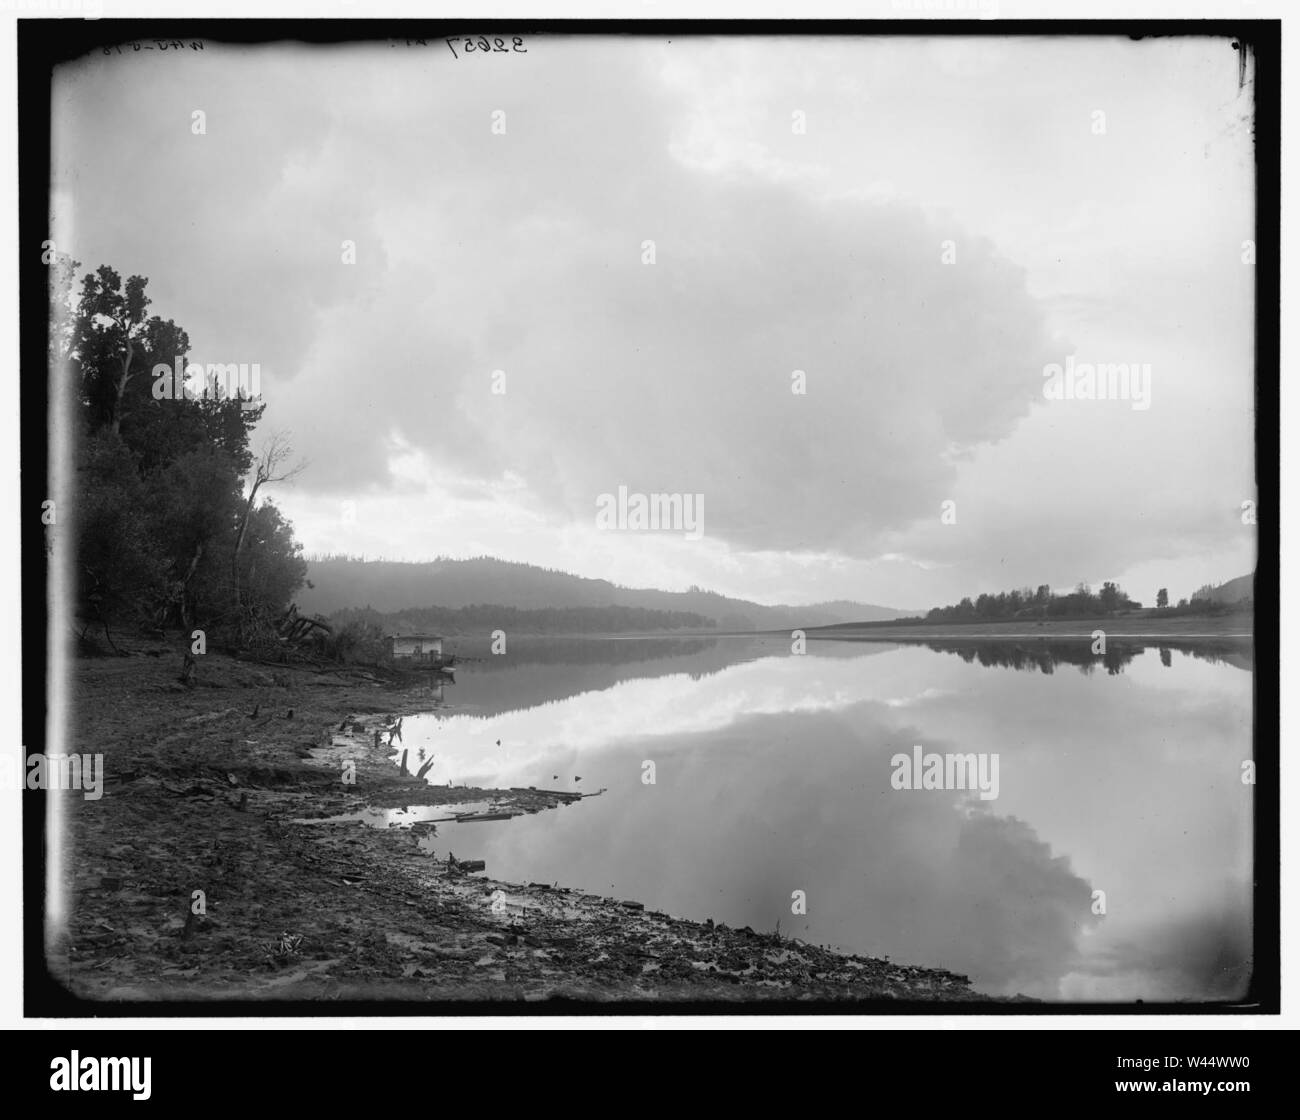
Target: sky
x=441, y=266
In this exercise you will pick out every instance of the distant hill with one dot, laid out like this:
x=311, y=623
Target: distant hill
x=1234, y=591
x=389, y=586
x=483, y=618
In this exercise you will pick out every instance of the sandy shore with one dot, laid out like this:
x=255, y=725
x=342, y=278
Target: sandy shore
x=204, y=787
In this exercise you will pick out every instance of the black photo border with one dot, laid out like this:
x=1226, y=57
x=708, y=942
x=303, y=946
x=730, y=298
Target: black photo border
x=43, y=44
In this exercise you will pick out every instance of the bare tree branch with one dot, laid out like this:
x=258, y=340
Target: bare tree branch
x=272, y=465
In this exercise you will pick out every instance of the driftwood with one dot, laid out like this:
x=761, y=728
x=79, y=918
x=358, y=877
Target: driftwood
x=293, y=628
x=463, y=866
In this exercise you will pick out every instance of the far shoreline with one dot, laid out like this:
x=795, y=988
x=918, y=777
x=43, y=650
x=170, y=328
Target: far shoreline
x=1236, y=626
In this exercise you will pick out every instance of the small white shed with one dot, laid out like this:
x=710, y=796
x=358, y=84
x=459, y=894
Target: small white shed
x=420, y=649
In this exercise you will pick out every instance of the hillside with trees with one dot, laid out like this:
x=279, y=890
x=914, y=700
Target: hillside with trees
x=389, y=586
x=1239, y=591
x=482, y=619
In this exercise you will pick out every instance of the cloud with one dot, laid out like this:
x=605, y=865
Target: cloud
x=523, y=252
x=1201, y=956
x=774, y=252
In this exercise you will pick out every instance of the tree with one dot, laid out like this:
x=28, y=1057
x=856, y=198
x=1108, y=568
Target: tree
x=272, y=569
x=110, y=323
x=194, y=505
x=272, y=466
x=160, y=431
x=1162, y=597
x=164, y=531
x=114, y=349
x=117, y=564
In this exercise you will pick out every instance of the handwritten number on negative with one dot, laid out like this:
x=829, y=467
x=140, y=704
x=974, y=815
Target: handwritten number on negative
x=484, y=45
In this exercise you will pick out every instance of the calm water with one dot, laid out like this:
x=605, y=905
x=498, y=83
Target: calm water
x=773, y=775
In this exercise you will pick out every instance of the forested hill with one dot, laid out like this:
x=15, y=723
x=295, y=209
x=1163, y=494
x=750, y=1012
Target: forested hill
x=483, y=619
x=340, y=583
x=1239, y=590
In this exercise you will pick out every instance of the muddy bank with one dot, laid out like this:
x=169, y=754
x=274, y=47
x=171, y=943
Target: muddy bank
x=253, y=786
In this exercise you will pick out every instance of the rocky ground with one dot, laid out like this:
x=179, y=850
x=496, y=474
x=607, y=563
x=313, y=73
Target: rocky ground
x=206, y=788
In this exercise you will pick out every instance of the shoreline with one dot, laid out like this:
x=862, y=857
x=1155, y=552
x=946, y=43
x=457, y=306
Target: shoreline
x=1233, y=627
x=203, y=787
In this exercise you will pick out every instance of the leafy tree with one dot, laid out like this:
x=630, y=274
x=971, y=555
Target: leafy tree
x=194, y=503
x=1162, y=597
x=106, y=341
x=272, y=569
x=118, y=567
x=357, y=641
x=165, y=531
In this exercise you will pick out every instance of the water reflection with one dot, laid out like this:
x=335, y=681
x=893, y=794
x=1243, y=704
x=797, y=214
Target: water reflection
x=1044, y=655
x=770, y=773
x=537, y=671
x=600, y=650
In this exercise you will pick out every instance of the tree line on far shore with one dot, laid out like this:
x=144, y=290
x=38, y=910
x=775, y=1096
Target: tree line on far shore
x=1042, y=603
